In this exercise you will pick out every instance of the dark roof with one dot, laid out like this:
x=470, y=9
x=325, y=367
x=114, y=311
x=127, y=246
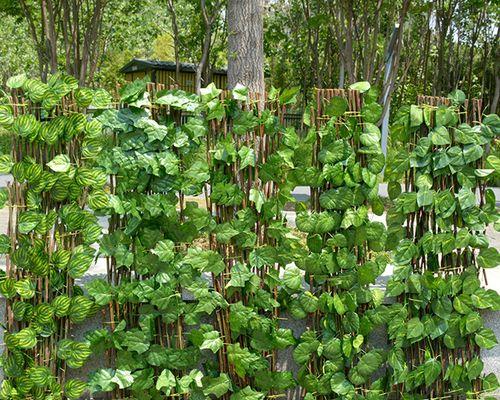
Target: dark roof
x=140, y=65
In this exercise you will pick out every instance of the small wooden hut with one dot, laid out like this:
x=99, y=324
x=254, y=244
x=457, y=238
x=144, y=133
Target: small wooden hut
x=164, y=72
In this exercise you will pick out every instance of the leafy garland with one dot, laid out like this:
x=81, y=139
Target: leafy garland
x=153, y=264
x=51, y=233
x=435, y=326
x=345, y=249
x=250, y=153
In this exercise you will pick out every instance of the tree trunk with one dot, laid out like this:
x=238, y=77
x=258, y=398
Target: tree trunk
x=245, y=44
x=175, y=31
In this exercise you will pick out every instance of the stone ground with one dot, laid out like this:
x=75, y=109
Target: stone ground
x=491, y=358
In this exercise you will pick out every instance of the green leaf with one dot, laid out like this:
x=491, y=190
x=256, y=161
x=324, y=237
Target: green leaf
x=371, y=112
x=337, y=199
x=473, y=322
x=80, y=261
x=74, y=388
x=26, y=338
x=166, y=381
x=17, y=81
x=432, y=369
x=289, y=96
x=100, y=381
x=362, y=86
x=123, y=379
x=212, y=341
x=340, y=385
x=336, y=107
x=414, y=328
x=244, y=361
x=270, y=380
x=457, y=96
x=240, y=275
x=440, y=136
x=247, y=157
x=100, y=290
x=416, y=116
x=40, y=376
x=216, y=386
x=240, y=92
x=425, y=197
x=292, y=277
x=257, y=196
x=369, y=363
x=472, y=152
x=164, y=249
x=60, y=163
x=6, y=163
x=474, y=368
x=488, y=257
x=247, y=393
x=485, y=338
x=204, y=260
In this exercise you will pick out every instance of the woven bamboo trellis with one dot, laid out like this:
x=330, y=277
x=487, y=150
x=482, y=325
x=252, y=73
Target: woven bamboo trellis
x=454, y=263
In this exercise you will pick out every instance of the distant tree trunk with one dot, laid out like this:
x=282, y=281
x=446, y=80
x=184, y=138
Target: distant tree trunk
x=175, y=31
x=61, y=21
x=48, y=21
x=208, y=19
x=246, y=44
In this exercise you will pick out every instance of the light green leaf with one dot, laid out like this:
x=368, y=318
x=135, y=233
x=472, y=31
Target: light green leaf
x=166, y=381
x=292, y=277
x=247, y=157
x=212, y=341
x=362, y=86
x=60, y=163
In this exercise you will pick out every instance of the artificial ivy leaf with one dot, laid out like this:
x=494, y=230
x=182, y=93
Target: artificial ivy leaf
x=369, y=363
x=60, y=163
x=247, y=393
x=74, y=388
x=204, y=260
x=212, y=341
x=26, y=338
x=371, y=112
x=258, y=198
x=336, y=107
x=474, y=368
x=432, y=369
x=440, y=136
x=292, y=277
x=485, y=338
x=271, y=380
x=337, y=199
x=414, y=328
x=244, y=361
x=166, y=381
x=164, y=249
x=361, y=86
x=247, y=157
x=100, y=290
x=216, y=386
x=488, y=258
x=240, y=275
x=340, y=385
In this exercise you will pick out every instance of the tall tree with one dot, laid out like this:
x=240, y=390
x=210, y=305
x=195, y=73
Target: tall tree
x=73, y=25
x=246, y=44
x=175, y=35
x=210, y=12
